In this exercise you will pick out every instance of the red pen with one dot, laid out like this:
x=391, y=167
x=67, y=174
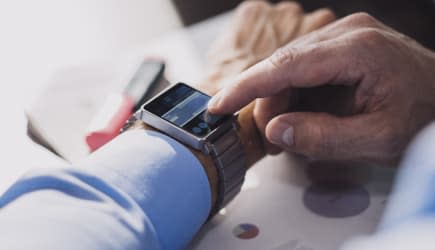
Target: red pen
x=118, y=107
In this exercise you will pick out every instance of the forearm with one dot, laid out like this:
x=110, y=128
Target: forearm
x=141, y=191
x=71, y=209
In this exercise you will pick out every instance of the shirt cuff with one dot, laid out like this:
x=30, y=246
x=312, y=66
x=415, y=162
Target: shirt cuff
x=162, y=176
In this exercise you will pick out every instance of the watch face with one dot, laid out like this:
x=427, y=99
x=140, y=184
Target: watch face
x=186, y=108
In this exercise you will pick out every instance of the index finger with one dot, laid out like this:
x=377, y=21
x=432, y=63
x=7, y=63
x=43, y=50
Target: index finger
x=304, y=66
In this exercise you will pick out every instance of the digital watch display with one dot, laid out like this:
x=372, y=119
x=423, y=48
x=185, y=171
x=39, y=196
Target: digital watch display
x=186, y=108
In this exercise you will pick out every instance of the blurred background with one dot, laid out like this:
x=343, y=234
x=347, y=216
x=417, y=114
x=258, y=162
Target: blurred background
x=39, y=36
x=412, y=17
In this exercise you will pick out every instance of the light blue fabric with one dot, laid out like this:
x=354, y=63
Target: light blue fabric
x=143, y=190
x=146, y=191
x=414, y=192
x=409, y=219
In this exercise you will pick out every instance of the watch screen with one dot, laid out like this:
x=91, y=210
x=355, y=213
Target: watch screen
x=186, y=108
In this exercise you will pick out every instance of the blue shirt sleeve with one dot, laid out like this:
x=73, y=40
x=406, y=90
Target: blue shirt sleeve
x=143, y=190
x=413, y=196
x=409, y=219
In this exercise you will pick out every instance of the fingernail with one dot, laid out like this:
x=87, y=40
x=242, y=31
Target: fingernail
x=288, y=136
x=283, y=133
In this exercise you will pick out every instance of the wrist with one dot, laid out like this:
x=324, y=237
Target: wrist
x=163, y=178
x=205, y=160
x=250, y=139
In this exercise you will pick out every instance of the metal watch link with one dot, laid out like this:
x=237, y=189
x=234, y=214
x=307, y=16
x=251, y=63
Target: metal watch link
x=230, y=159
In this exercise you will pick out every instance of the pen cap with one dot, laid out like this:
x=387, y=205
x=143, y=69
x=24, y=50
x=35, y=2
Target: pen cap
x=106, y=125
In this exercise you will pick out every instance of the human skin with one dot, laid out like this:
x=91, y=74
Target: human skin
x=256, y=31
x=238, y=48
x=354, y=90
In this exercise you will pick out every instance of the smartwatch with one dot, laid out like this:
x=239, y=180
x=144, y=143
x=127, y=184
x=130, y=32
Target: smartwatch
x=180, y=112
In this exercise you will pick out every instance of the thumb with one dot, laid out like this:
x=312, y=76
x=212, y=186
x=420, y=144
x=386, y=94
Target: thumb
x=323, y=136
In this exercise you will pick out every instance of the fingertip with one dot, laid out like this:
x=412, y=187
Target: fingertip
x=220, y=103
x=227, y=101
x=268, y=131
x=280, y=133
x=213, y=104
x=253, y=83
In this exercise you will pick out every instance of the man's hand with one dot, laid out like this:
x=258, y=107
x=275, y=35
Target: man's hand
x=256, y=30
x=353, y=90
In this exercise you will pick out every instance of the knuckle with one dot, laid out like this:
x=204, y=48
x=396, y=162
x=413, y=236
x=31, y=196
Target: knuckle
x=326, y=144
x=282, y=57
x=369, y=36
x=367, y=44
x=370, y=33
x=360, y=19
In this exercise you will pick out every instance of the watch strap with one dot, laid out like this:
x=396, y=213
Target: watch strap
x=230, y=160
